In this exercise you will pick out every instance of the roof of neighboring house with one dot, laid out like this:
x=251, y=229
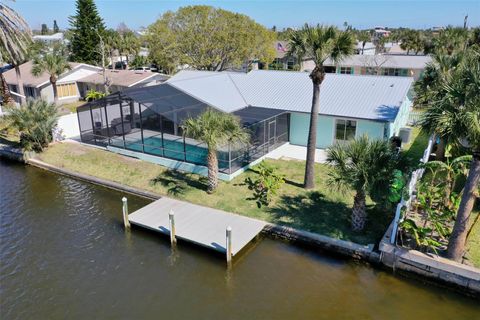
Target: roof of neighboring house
x=123, y=78
x=353, y=96
x=28, y=78
x=49, y=37
x=385, y=61
x=368, y=45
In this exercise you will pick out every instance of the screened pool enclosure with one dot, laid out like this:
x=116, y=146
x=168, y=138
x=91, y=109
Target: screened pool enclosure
x=149, y=120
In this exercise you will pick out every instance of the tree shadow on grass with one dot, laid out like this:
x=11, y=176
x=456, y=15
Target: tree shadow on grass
x=177, y=183
x=314, y=212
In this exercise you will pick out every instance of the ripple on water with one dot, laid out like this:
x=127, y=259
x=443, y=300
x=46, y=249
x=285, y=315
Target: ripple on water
x=64, y=254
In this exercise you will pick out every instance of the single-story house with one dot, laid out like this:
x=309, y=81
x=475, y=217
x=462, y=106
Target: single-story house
x=380, y=64
x=73, y=84
x=36, y=87
x=273, y=105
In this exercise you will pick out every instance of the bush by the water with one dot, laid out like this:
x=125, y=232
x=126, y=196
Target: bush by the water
x=34, y=121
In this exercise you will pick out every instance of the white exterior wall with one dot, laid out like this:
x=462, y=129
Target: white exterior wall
x=68, y=126
x=46, y=93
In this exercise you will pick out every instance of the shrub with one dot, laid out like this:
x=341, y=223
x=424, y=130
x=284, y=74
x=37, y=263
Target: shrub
x=267, y=184
x=94, y=95
x=34, y=121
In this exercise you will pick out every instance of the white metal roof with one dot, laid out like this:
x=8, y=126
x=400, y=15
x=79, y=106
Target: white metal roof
x=384, y=60
x=355, y=96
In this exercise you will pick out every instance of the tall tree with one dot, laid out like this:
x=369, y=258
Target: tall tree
x=54, y=63
x=456, y=113
x=430, y=88
x=363, y=37
x=318, y=43
x=15, y=36
x=56, y=29
x=44, y=30
x=208, y=38
x=85, y=27
x=129, y=44
x=450, y=40
x=112, y=44
x=364, y=165
x=215, y=129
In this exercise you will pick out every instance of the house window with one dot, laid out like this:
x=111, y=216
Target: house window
x=67, y=90
x=329, y=69
x=13, y=88
x=369, y=71
x=29, y=92
x=395, y=72
x=346, y=70
x=345, y=130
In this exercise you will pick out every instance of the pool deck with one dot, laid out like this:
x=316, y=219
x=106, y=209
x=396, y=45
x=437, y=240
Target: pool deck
x=197, y=224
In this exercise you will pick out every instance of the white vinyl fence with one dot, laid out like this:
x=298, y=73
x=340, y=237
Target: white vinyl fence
x=416, y=175
x=67, y=127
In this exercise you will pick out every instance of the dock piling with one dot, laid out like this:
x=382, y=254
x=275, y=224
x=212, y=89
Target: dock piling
x=126, y=222
x=229, y=244
x=171, y=219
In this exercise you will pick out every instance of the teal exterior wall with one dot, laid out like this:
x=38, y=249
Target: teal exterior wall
x=373, y=129
x=402, y=117
x=299, y=123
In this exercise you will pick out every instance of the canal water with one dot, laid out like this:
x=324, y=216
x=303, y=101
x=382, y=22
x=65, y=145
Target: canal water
x=64, y=255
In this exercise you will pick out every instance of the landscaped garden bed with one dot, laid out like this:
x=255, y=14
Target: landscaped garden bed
x=323, y=210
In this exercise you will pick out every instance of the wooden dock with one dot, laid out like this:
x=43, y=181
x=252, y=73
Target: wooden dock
x=200, y=225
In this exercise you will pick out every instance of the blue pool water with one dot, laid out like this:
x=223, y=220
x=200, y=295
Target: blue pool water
x=175, y=149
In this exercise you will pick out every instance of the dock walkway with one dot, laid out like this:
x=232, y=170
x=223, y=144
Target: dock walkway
x=200, y=225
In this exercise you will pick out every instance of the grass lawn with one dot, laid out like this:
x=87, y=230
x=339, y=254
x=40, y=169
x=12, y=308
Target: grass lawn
x=323, y=210
x=69, y=107
x=473, y=241
x=418, y=143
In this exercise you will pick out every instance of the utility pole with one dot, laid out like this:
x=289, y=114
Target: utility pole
x=465, y=22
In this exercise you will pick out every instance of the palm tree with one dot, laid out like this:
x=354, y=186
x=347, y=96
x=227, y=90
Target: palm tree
x=318, y=43
x=451, y=170
x=215, y=129
x=457, y=114
x=430, y=89
x=15, y=36
x=130, y=44
x=35, y=121
x=54, y=63
x=364, y=37
x=364, y=165
x=112, y=43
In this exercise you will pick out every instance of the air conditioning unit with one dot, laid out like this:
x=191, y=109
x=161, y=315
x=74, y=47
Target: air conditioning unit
x=405, y=134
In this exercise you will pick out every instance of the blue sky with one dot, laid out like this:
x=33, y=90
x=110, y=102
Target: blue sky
x=281, y=13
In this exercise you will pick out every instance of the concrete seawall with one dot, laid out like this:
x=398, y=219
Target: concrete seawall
x=435, y=269
x=460, y=277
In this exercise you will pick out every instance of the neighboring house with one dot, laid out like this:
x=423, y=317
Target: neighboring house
x=273, y=105
x=50, y=39
x=387, y=65
x=74, y=84
x=283, y=61
x=119, y=80
x=40, y=87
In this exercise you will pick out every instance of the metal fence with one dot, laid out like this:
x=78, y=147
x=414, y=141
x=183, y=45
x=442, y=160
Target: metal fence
x=414, y=118
x=406, y=201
